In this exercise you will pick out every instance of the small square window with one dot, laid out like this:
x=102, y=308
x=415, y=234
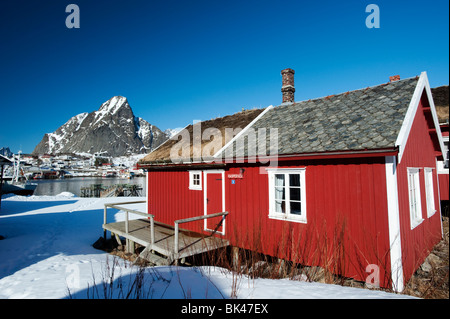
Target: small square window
x=195, y=180
x=287, y=194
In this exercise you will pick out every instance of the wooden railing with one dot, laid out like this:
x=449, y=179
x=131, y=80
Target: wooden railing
x=152, y=221
x=127, y=211
x=191, y=219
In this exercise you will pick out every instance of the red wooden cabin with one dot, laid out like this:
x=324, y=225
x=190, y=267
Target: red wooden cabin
x=443, y=166
x=441, y=100
x=347, y=181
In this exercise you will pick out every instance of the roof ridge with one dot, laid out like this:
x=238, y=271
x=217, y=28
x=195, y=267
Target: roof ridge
x=351, y=91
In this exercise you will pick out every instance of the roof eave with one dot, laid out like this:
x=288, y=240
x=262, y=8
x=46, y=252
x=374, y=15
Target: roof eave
x=392, y=151
x=271, y=159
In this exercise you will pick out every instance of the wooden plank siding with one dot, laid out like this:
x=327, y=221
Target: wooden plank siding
x=169, y=198
x=444, y=186
x=346, y=215
x=419, y=153
x=346, y=212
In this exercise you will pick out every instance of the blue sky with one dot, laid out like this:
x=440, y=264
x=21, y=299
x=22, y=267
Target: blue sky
x=179, y=61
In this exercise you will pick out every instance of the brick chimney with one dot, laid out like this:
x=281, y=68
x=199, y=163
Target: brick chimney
x=287, y=87
x=394, y=78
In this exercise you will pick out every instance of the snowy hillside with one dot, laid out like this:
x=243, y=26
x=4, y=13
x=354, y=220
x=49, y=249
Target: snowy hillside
x=47, y=252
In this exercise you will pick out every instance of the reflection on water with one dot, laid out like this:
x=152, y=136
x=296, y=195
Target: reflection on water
x=73, y=185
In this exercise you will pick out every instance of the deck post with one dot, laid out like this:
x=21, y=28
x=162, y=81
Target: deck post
x=235, y=256
x=281, y=267
x=152, y=230
x=104, y=222
x=176, y=239
x=131, y=246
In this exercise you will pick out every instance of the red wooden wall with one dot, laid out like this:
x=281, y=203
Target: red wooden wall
x=419, y=152
x=347, y=225
x=346, y=216
x=444, y=186
x=169, y=198
x=444, y=178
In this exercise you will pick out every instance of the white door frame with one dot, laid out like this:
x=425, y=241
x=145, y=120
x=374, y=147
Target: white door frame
x=205, y=194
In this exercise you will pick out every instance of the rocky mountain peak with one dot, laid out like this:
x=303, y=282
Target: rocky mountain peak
x=114, y=104
x=112, y=128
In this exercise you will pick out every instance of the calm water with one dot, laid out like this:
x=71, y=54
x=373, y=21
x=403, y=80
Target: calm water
x=73, y=185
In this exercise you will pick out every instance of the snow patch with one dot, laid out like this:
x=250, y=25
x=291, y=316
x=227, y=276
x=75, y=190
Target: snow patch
x=48, y=249
x=170, y=132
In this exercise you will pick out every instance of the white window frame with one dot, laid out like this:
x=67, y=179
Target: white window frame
x=273, y=214
x=446, y=153
x=442, y=166
x=429, y=190
x=415, y=204
x=192, y=178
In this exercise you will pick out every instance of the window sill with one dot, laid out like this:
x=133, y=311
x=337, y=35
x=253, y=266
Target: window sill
x=288, y=219
x=416, y=223
x=195, y=188
x=431, y=213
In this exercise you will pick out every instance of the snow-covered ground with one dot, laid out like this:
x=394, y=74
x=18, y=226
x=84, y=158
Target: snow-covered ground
x=47, y=253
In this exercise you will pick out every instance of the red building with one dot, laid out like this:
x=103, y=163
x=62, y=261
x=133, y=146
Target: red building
x=347, y=182
x=443, y=166
x=441, y=101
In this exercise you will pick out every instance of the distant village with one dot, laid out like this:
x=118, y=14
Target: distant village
x=46, y=166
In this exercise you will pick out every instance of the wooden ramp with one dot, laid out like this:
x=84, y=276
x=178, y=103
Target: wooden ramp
x=172, y=242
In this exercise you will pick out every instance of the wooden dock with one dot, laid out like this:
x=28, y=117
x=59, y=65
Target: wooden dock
x=171, y=243
x=118, y=190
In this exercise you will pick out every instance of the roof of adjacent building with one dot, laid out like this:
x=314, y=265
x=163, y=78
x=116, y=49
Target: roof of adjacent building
x=364, y=119
x=441, y=98
x=235, y=123
x=4, y=160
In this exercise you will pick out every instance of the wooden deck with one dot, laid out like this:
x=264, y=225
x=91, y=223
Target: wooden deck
x=170, y=241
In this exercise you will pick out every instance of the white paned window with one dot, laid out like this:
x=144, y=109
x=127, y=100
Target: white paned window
x=431, y=209
x=415, y=206
x=287, y=196
x=446, y=153
x=195, y=180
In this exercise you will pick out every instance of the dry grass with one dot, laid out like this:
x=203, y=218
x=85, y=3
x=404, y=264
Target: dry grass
x=441, y=101
x=431, y=280
x=234, y=122
x=442, y=113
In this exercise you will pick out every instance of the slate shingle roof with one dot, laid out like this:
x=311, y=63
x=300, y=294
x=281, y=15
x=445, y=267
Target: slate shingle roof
x=368, y=118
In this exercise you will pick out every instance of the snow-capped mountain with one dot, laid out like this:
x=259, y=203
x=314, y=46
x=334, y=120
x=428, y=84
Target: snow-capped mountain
x=113, y=129
x=5, y=151
x=172, y=131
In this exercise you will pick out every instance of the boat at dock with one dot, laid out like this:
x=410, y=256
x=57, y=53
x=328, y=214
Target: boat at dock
x=18, y=183
x=18, y=188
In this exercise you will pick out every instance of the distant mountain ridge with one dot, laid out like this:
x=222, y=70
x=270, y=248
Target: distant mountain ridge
x=112, y=129
x=5, y=151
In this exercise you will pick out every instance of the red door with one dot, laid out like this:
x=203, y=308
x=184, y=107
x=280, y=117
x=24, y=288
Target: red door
x=214, y=200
